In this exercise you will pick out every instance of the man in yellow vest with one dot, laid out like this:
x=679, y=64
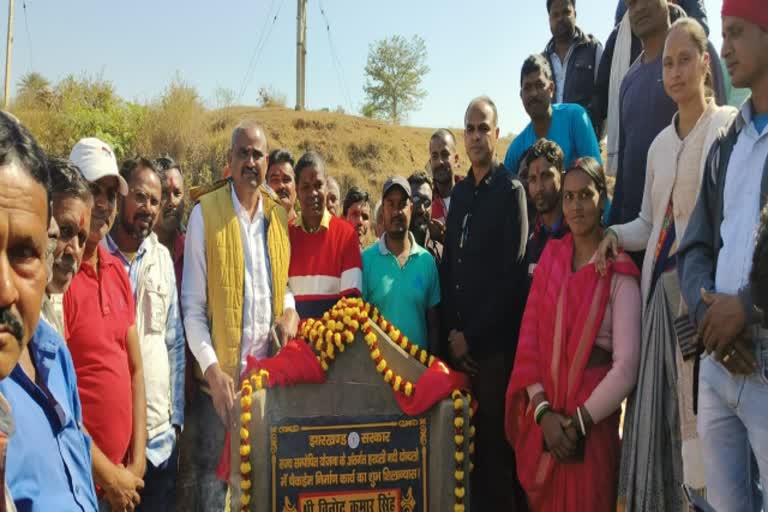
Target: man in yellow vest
x=234, y=293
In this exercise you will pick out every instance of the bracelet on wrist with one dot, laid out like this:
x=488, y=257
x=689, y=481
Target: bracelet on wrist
x=581, y=426
x=543, y=408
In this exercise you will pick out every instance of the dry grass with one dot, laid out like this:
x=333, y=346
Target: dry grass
x=358, y=151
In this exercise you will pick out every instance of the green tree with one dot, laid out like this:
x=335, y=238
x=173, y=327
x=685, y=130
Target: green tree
x=393, y=75
x=33, y=88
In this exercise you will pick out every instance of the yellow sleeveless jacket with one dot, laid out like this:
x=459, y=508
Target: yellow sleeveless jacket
x=226, y=268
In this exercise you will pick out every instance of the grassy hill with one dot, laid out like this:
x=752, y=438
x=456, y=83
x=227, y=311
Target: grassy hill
x=358, y=150
x=178, y=123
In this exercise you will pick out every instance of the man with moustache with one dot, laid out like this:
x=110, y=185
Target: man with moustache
x=71, y=204
x=100, y=327
x=482, y=273
x=325, y=257
x=357, y=211
x=234, y=291
x=544, y=180
x=281, y=180
x=48, y=464
x=158, y=322
x=443, y=162
x=421, y=224
x=169, y=228
x=399, y=275
x=566, y=124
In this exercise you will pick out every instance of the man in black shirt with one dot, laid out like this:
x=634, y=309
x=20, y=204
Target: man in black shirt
x=483, y=282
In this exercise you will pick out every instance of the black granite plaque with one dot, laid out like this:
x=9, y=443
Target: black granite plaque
x=341, y=464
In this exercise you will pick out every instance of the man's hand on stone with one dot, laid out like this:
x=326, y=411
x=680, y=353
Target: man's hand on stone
x=287, y=326
x=459, y=352
x=723, y=322
x=222, y=393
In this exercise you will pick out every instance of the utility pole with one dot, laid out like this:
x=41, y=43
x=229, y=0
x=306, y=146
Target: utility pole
x=8, y=45
x=301, y=52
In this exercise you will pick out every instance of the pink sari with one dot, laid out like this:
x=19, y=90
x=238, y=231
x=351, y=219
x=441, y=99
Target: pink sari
x=563, y=315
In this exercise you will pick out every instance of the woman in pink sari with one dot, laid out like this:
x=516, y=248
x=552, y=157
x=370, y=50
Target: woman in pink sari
x=577, y=359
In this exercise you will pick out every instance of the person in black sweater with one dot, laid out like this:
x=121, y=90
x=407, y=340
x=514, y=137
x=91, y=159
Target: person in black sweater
x=483, y=292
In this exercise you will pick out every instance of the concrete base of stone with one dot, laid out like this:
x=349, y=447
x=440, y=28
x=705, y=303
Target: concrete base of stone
x=354, y=388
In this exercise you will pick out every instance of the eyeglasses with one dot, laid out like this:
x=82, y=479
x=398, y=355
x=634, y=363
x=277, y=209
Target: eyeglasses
x=422, y=201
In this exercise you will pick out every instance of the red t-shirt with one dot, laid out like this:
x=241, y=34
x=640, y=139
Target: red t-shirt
x=98, y=310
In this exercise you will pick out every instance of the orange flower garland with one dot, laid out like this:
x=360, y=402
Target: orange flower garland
x=259, y=380
x=329, y=335
x=458, y=436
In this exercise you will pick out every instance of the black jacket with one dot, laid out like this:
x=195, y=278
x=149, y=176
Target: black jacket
x=580, y=72
x=483, y=274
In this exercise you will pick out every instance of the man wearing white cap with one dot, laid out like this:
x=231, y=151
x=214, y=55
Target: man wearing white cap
x=100, y=328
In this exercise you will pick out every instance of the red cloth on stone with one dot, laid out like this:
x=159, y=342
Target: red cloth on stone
x=754, y=11
x=435, y=384
x=296, y=364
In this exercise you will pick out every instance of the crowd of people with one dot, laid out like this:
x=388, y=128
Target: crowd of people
x=125, y=325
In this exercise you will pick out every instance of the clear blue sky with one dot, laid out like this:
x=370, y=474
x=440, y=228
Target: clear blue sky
x=141, y=45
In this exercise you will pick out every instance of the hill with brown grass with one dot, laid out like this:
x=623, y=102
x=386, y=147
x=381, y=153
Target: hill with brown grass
x=357, y=150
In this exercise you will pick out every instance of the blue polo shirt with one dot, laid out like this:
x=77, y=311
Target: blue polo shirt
x=403, y=295
x=48, y=464
x=571, y=129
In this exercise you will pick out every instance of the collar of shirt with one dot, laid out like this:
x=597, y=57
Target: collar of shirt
x=43, y=349
x=129, y=265
x=540, y=227
x=489, y=178
x=325, y=222
x=241, y=212
x=745, y=118
x=578, y=38
x=111, y=246
x=103, y=262
x=383, y=250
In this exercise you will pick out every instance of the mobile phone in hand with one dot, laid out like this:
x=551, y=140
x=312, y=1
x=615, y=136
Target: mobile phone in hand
x=696, y=502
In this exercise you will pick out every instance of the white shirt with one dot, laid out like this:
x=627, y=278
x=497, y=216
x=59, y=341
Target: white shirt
x=741, y=205
x=560, y=69
x=257, y=293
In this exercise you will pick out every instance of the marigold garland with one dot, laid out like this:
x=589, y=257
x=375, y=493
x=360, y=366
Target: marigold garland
x=458, y=398
x=258, y=381
x=329, y=335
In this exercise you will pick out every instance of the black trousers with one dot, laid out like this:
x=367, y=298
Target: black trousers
x=494, y=485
